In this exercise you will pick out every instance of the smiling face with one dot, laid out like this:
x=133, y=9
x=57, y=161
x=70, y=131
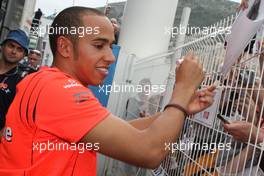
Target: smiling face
x=94, y=51
x=90, y=59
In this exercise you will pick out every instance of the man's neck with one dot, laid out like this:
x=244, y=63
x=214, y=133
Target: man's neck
x=5, y=67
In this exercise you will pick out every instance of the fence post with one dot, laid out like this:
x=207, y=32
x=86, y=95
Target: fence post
x=180, y=41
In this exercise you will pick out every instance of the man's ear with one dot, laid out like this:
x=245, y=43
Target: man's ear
x=64, y=47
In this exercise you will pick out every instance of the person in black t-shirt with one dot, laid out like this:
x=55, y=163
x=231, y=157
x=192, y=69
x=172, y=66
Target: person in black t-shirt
x=36, y=21
x=13, y=49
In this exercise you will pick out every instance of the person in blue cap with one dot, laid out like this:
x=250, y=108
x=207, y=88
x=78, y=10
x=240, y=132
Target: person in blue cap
x=13, y=49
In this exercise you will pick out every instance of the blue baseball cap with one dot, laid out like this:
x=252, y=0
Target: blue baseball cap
x=19, y=37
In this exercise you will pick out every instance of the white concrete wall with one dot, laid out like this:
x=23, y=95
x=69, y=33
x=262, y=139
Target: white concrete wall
x=28, y=13
x=47, y=55
x=143, y=34
x=142, y=31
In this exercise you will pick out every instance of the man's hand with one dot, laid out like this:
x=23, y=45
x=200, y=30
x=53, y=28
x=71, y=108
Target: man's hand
x=247, y=108
x=243, y=5
x=189, y=76
x=201, y=100
x=240, y=130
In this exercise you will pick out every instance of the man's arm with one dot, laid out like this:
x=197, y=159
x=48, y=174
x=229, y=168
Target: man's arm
x=196, y=105
x=240, y=130
x=146, y=148
x=143, y=123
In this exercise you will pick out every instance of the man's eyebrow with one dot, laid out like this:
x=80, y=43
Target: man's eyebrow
x=11, y=43
x=105, y=40
x=15, y=44
x=101, y=39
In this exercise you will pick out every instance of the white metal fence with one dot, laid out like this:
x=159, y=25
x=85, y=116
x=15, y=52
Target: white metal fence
x=203, y=148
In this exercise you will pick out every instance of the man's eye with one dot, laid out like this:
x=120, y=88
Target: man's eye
x=99, y=46
x=10, y=45
x=20, y=50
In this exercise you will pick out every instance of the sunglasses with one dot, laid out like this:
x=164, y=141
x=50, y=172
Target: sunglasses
x=34, y=52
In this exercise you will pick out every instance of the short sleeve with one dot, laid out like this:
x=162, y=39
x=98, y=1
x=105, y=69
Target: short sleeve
x=67, y=109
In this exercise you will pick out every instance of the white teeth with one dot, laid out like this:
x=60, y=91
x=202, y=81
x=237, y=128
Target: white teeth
x=103, y=70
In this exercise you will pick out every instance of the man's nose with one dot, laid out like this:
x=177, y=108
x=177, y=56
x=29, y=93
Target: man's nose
x=109, y=57
x=13, y=50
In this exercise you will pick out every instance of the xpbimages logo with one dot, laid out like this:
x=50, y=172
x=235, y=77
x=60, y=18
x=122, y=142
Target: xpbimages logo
x=182, y=146
x=64, y=146
x=196, y=30
x=80, y=31
x=125, y=88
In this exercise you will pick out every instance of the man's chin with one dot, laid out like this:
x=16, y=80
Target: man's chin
x=96, y=83
x=12, y=61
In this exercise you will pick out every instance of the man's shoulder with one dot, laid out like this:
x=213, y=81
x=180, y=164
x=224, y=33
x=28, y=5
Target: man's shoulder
x=53, y=77
x=42, y=73
x=47, y=80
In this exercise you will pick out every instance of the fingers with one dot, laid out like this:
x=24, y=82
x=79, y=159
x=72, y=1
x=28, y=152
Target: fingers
x=207, y=99
x=226, y=126
x=207, y=95
x=243, y=5
x=235, y=125
x=207, y=92
x=211, y=88
x=189, y=55
x=200, y=93
x=238, y=129
x=230, y=128
x=190, y=73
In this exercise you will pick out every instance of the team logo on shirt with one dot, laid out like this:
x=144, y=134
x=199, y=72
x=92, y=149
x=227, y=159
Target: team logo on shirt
x=71, y=83
x=81, y=97
x=7, y=134
x=4, y=87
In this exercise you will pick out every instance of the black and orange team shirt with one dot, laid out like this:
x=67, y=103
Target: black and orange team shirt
x=49, y=115
x=8, y=82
